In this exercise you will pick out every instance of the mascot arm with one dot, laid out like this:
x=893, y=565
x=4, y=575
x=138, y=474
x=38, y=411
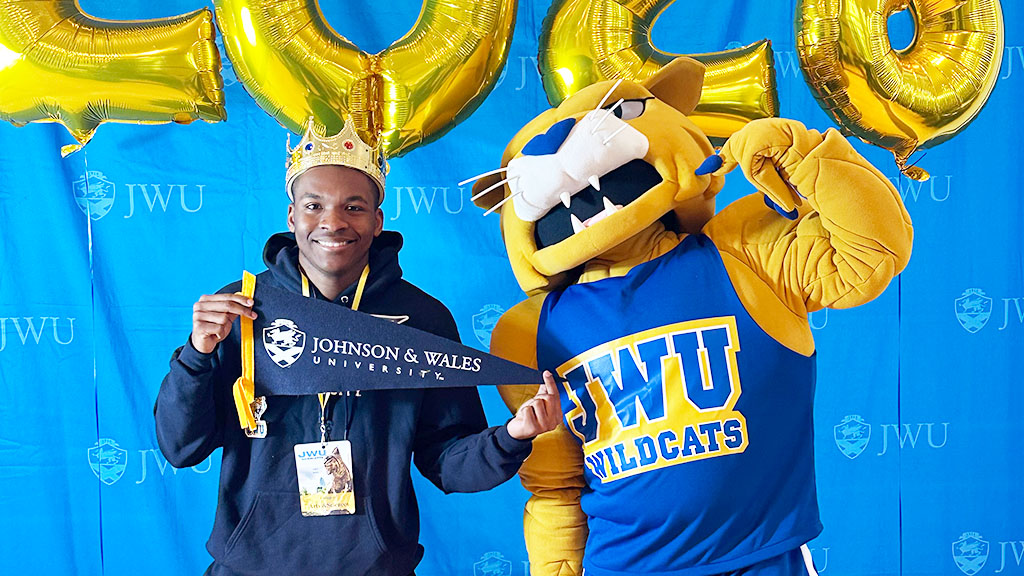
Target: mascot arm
x=851, y=233
x=554, y=525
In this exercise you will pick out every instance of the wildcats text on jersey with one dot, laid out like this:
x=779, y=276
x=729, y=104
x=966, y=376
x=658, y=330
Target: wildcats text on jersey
x=656, y=398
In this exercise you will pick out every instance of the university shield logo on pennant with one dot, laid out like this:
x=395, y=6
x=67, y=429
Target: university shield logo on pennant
x=94, y=194
x=484, y=321
x=107, y=460
x=492, y=564
x=852, y=436
x=970, y=553
x=283, y=342
x=973, y=309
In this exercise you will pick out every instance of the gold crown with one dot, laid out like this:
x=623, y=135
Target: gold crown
x=345, y=148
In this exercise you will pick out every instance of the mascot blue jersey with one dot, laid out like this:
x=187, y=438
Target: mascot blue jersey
x=695, y=425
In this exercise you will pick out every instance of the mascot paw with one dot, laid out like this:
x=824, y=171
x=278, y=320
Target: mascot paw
x=769, y=151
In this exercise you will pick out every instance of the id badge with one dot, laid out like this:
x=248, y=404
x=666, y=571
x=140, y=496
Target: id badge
x=326, y=487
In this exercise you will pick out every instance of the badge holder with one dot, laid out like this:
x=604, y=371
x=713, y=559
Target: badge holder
x=324, y=468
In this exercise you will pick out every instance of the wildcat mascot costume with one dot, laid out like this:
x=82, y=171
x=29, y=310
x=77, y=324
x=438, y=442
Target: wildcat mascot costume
x=681, y=336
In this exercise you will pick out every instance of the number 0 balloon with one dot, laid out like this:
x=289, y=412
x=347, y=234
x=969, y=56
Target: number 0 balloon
x=907, y=99
x=296, y=66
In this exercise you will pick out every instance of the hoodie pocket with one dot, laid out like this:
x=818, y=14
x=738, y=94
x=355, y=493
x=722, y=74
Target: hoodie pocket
x=275, y=538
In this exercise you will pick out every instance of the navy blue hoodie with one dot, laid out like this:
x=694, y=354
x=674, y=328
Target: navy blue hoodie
x=258, y=528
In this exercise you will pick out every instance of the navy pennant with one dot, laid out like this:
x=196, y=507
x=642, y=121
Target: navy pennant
x=307, y=346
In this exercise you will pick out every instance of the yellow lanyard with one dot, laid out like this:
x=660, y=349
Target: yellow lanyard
x=243, y=389
x=360, y=286
x=356, y=299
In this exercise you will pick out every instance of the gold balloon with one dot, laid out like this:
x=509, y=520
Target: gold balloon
x=295, y=66
x=587, y=41
x=907, y=99
x=57, y=64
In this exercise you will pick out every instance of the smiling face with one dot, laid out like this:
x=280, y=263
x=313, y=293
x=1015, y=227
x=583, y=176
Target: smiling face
x=335, y=218
x=599, y=169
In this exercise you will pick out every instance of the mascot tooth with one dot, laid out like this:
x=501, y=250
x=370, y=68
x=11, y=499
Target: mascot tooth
x=681, y=335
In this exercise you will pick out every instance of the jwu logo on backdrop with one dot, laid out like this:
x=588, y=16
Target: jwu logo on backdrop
x=450, y=199
x=96, y=195
x=522, y=74
x=32, y=330
x=971, y=553
x=853, y=434
x=974, y=309
x=819, y=557
x=936, y=189
x=1013, y=60
x=109, y=462
x=787, y=64
x=484, y=322
x=492, y=564
x=495, y=564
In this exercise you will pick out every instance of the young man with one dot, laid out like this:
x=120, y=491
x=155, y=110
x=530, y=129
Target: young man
x=336, y=185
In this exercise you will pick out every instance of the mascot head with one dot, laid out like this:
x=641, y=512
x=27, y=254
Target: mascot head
x=609, y=162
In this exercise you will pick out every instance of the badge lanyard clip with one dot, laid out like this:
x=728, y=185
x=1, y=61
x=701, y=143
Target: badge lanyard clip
x=325, y=424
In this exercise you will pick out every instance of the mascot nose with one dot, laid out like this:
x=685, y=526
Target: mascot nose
x=550, y=141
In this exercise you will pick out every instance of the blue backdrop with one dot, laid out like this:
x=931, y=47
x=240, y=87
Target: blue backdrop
x=91, y=308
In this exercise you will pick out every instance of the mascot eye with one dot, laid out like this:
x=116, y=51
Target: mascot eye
x=629, y=109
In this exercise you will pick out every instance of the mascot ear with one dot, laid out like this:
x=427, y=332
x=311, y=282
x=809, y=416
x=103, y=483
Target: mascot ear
x=678, y=83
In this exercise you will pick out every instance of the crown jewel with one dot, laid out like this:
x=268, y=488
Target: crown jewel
x=345, y=148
